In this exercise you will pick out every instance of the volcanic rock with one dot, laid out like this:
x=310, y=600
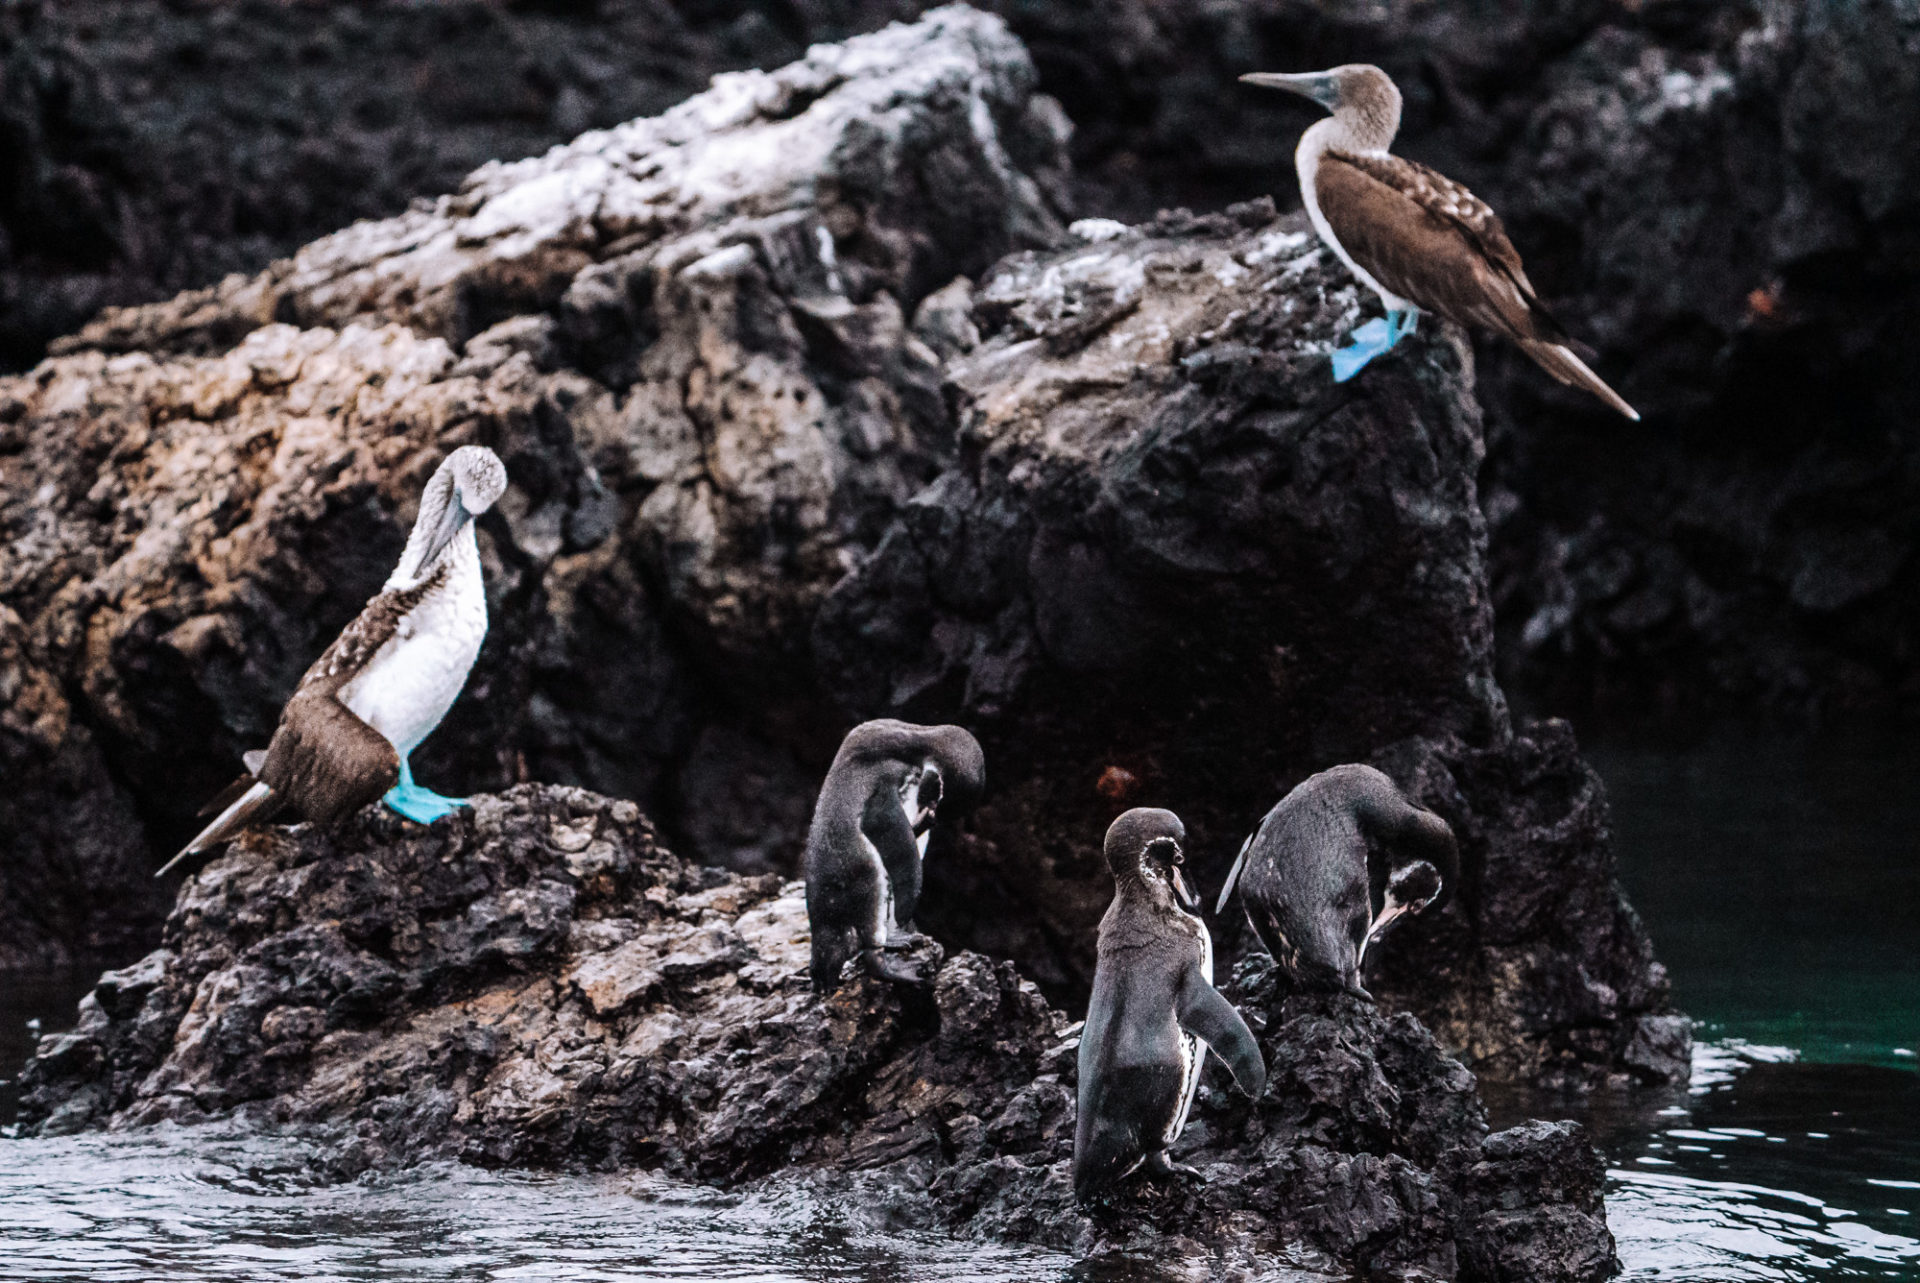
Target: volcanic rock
x=814, y=412
x=539, y=983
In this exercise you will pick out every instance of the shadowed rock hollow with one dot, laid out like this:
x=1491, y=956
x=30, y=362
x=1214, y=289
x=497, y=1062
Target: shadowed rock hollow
x=540, y=983
x=794, y=442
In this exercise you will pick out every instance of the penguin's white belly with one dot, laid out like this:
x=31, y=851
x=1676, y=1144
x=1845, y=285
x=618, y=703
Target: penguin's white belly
x=884, y=927
x=1193, y=1055
x=1193, y=1048
x=415, y=677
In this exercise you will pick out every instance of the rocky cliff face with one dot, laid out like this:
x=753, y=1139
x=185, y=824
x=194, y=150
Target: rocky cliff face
x=1716, y=196
x=789, y=449
x=687, y=339
x=540, y=983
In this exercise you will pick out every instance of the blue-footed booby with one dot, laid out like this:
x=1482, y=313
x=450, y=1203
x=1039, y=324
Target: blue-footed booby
x=1412, y=235
x=345, y=737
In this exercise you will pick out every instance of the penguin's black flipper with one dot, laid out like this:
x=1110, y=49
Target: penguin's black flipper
x=1203, y=1012
x=886, y=825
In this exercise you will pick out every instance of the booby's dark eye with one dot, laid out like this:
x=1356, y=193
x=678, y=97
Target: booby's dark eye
x=1167, y=850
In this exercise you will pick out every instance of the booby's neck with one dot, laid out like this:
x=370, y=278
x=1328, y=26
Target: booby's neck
x=1353, y=131
x=1337, y=133
x=414, y=565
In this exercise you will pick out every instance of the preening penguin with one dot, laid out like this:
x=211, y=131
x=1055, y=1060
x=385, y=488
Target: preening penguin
x=345, y=737
x=869, y=834
x=1154, y=1011
x=1310, y=884
x=1413, y=236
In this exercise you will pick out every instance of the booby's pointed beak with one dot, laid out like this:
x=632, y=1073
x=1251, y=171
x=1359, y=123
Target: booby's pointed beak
x=1317, y=85
x=443, y=534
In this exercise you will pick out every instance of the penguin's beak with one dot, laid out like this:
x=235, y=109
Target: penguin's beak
x=1182, y=892
x=1317, y=85
x=1389, y=911
x=443, y=534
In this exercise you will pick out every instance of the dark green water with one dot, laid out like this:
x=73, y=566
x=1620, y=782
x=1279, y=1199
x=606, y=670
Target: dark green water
x=1780, y=878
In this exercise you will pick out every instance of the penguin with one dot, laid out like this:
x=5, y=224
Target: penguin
x=345, y=737
x=1154, y=1013
x=869, y=836
x=1309, y=880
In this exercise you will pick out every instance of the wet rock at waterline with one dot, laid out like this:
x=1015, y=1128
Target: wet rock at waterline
x=540, y=983
x=814, y=412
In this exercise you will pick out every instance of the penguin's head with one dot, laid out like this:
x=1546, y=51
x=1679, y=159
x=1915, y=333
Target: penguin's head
x=961, y=765
x=959, y=774
x=1413, y=887
x=1148, y=845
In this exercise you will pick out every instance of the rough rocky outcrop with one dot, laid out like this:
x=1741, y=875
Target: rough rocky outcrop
x=686, y=337
x=1716, y=196
x=1177, y=565
x=540, y=983
x=779, y=464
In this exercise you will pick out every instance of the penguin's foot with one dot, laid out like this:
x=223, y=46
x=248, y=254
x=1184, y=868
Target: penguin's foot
x=1159, y=1167
x=421, y=805
x=1370, y=340
x=879, y=965
x=904, y=942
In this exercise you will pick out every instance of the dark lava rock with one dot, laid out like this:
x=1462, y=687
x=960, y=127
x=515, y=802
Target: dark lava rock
x=1718, y=197
x=687, y=338
x=779, y=464
x=1177, y=565
x=539, y=983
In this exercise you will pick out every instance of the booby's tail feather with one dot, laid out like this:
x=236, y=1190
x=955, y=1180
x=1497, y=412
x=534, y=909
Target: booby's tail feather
x=249, y=805
x=1563, y=365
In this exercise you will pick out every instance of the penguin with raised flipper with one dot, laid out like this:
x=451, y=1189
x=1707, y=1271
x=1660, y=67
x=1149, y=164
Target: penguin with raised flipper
x=345, y=736
x=1154, y=1013
x=1332, y=866
x=869, y=835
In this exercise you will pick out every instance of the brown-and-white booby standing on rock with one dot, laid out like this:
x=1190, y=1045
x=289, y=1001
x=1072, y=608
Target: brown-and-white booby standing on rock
x=1413, y=236
x=387, y=680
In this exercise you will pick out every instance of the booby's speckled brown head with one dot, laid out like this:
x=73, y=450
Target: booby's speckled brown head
x=1361, y=97
x=1148, y=845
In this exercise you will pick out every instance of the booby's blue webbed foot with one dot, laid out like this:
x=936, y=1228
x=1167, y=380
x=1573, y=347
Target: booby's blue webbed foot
x=419, y=804
x=1370, y=340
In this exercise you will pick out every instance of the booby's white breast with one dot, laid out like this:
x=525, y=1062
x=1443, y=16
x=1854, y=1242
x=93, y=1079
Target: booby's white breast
x=414, y=678
x=1306, y=163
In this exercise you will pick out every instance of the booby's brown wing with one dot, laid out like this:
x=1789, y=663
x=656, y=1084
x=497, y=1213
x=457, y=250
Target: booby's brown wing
x=323, y=758
x=1431, y=241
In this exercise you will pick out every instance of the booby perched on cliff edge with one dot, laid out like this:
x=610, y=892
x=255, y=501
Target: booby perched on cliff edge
x=345, y=737
x=1413, y=236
